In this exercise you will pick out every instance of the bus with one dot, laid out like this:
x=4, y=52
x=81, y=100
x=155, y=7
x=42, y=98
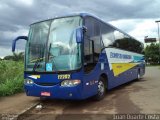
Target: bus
x=78, y=56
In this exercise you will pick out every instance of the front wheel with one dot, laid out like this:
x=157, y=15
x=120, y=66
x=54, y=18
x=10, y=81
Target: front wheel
x=101, y=89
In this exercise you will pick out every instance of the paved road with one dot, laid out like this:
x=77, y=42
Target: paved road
x=132, y=98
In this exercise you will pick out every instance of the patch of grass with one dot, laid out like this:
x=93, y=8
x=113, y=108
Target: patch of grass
x=11, y=77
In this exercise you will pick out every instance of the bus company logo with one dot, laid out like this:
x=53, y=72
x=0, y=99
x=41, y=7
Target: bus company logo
x=120, y=56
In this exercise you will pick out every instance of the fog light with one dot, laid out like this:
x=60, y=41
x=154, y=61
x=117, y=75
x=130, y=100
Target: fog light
x=28, y=81
x=70, y=94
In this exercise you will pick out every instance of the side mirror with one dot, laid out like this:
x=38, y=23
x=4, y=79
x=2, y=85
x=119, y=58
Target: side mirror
x=15, y=40
x=80, y=34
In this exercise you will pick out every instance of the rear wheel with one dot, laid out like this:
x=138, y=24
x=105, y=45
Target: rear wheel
x=101, y=89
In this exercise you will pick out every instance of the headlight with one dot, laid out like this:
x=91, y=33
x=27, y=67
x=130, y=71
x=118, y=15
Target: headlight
x=70, y=83
x=28, y=81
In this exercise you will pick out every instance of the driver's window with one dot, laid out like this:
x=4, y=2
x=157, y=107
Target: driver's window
x=92, y=44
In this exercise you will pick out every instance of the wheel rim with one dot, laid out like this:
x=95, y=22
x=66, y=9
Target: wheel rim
x=139, y=76
x=101, y=88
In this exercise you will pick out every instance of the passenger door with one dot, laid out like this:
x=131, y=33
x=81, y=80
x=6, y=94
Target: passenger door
x=92, y=49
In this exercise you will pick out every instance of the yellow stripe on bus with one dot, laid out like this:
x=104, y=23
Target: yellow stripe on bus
x=119, y=68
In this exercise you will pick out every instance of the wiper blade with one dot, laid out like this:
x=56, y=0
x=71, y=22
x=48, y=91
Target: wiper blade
x=35, y=60
x=40, y=57
x=36, y=65
x=49, y=56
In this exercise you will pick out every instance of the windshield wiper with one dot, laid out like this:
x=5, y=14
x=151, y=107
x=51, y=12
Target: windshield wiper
x=39, y=59
x=50, y=45
x=36, y=65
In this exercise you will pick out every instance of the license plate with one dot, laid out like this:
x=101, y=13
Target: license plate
x=45, y=94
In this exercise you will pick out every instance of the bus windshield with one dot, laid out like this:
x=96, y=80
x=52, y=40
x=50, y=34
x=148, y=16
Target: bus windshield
x=53, y=42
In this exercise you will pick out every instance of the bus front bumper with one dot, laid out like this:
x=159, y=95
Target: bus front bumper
x=55, y=92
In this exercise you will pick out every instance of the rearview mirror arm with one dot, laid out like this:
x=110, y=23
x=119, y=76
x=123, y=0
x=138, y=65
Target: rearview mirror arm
x=15, y=40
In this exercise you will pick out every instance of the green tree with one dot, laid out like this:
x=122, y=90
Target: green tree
x=18, y=56
x=152, y=53
x=15, y=57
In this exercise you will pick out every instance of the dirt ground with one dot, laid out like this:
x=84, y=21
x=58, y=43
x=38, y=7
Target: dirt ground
x=136, y=97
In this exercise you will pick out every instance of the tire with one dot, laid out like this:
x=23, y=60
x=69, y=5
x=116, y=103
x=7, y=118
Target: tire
x=101, y=89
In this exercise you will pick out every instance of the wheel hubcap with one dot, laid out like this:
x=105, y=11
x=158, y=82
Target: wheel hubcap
x=139, y=76
x=100, y=88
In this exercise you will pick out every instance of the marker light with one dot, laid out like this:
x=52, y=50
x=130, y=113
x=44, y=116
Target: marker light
x=70, y=83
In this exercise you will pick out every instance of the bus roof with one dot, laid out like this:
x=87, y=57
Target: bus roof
x=85, y=15
x=68, y=15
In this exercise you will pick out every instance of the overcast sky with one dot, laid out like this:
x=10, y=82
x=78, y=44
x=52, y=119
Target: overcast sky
x=136, y=17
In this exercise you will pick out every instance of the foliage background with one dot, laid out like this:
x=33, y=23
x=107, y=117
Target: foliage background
x=11, y=76
x=152, y=55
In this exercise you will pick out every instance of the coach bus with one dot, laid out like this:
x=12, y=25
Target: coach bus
x=78, y=56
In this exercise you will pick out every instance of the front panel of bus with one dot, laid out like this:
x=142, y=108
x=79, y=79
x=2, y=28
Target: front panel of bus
x=53, y=62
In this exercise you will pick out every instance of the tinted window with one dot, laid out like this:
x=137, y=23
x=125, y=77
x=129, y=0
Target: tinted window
x=121, y=41
x=92, y=43
x=135, y=46
x=87, y=51
x=114, y=38
x=107, y=35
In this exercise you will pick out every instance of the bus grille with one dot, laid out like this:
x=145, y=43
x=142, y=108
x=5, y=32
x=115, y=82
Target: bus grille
x=46, y=84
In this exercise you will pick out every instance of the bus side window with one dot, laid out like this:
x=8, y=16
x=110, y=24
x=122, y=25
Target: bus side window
x=107, y=33
x=92, y=44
